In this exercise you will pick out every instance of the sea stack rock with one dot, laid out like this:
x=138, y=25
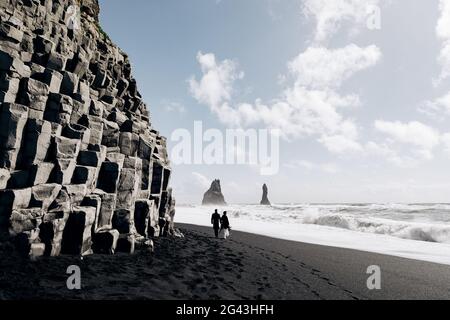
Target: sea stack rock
x=82, y=169
x=265, y=200
x=214, y=195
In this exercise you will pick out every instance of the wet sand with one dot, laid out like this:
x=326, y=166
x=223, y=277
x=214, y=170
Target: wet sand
x=246, y=266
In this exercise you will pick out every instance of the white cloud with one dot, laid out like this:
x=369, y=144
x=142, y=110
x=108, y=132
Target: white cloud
x=443, y=34
x=215, y=87
x=420, y=141
x=438, y=108
x=443, y=24
x=414, y=133
x=330, y=15
x=310, y=106
x=408, y=144
x=319, y=67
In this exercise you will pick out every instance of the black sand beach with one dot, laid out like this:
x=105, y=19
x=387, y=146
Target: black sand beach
x=244, y=267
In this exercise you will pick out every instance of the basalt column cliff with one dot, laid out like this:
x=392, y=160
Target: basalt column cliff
x=81, y=168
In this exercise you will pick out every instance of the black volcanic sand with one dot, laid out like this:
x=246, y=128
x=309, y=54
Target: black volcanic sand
x=244, y=267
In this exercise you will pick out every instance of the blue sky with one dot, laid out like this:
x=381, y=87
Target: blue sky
x=363, y=111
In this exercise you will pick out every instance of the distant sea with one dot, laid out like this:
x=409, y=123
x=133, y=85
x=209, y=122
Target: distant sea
x=417, y=231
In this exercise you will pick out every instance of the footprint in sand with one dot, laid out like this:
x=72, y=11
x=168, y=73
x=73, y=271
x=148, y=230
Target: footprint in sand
x=230, y=255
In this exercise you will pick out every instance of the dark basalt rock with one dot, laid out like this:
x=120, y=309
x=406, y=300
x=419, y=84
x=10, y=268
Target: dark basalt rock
x=90, y=7
x=265, y=200
x=81, y=167
x=214, y=195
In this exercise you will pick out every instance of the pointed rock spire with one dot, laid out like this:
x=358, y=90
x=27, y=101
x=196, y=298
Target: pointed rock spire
x=265, y=200
x=214, y=195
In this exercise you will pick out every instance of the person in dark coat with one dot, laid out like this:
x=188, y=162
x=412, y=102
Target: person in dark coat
x=215, y=221
x=225, y=225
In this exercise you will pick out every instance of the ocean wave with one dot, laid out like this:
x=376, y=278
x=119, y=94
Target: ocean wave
x=412, y=231
x=422, y=222
x=387, y=229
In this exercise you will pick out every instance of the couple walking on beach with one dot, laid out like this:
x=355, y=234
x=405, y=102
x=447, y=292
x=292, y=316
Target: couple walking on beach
x=220, y=223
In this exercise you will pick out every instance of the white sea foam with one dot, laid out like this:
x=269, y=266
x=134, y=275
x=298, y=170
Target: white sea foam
x=417, y=231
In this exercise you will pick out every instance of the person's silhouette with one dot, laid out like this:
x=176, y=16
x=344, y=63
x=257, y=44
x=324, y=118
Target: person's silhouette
x=215, y=221
x=225, y=225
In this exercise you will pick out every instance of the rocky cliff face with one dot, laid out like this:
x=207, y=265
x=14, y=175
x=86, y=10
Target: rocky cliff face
x=81, y=168
x=214, y=195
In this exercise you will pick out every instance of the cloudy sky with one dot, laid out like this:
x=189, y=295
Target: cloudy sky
x=358, y=89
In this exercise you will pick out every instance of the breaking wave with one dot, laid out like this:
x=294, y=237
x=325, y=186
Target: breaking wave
x=421, y=222
x=404, y=230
